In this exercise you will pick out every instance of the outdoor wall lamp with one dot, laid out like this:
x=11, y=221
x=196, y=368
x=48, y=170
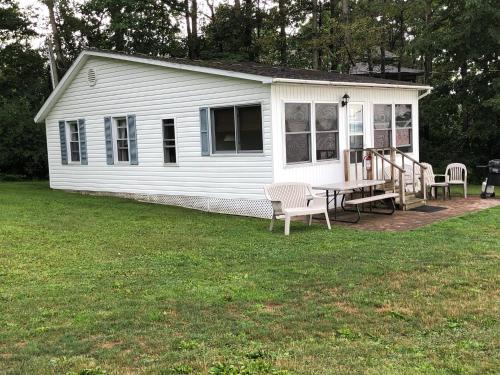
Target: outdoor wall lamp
x=345, y=100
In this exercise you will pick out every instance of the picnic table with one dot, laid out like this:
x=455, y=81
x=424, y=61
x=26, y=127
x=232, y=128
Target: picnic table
x=346, y=187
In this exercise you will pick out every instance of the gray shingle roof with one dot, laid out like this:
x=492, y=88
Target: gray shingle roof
x=268, y=70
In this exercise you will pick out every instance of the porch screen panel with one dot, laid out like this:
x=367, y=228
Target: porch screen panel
x=356, y=131
x=298, y=132
x=404, y=127
x=327, y=131
x=382, y=125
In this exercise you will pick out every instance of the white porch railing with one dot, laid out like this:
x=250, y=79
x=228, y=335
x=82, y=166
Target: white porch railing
x=402, y=173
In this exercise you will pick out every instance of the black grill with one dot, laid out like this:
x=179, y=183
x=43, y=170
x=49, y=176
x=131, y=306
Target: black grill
x=494, y=172
x=492, y=179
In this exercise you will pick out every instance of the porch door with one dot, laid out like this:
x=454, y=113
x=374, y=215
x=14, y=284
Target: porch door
x=356, y=130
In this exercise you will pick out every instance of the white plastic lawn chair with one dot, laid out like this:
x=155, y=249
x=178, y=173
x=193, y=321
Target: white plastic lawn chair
x=294, y=199
x=457, y=175
x=432, y=184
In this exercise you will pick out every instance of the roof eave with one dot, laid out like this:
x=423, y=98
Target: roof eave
x=358, y=84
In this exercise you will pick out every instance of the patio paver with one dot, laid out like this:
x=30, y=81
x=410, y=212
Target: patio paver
x=407, y=220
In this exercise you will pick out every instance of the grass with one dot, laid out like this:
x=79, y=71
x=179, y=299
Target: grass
x=93, y=285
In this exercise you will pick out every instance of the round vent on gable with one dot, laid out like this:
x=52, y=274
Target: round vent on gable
x=92, y=78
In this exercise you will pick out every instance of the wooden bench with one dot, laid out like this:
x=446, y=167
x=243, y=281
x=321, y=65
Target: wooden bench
x=374, y=198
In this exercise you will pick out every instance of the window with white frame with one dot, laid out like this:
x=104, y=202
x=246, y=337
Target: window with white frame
x=356, y=131
x=121, y=136
x=298, y=132
x=236, y=129
x=382, y=125
x=327, y=131
x=169, y=153
x=404, y=127
x=74, y=140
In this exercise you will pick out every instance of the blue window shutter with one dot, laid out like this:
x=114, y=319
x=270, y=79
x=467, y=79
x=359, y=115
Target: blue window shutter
x=64, y=145
x=204, y=134
x=83, y=141
x=132, y=140
x=108, y=133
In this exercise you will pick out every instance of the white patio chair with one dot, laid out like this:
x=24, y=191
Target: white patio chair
x=432, y=184
x=457, y=175
x=294, y=199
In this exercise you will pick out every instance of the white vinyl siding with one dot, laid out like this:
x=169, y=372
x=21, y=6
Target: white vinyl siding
x=154, y=93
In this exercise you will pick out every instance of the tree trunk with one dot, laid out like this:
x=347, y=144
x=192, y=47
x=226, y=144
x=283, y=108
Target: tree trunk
x=237, y=7
x=402, y=40
x=319, y=38
x=347, y=34
x=282, y=38
x=248, y=25
x=212, y=10
x=258, y=31
x=188, y=28
x=333, y=65
x=314, y=24
x=194, y=29
x=55, y=33
x=370, y=61
x=428, y=53
x=382, y=42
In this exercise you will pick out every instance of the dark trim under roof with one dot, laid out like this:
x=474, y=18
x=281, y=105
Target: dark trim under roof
x=268, y=70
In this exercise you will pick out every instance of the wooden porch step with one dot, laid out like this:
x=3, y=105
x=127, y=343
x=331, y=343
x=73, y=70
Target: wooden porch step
x=412, y=201
x=414, y=204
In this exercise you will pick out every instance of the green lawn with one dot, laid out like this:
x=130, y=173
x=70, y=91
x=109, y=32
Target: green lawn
x=94, y=284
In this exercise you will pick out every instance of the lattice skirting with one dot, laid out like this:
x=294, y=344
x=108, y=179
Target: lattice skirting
x=243, y=207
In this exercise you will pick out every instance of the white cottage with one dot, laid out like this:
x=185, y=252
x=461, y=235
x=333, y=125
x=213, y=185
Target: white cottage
x=210, y=135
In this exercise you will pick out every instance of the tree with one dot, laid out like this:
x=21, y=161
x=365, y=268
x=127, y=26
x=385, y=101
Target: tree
x=24, y=83
x=282, y=21
x=146, y=26
x=191, y=17
x=460, y=118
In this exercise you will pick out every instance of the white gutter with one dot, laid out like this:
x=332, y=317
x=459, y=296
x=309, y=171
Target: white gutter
x=358, y=84
x=427, y=92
